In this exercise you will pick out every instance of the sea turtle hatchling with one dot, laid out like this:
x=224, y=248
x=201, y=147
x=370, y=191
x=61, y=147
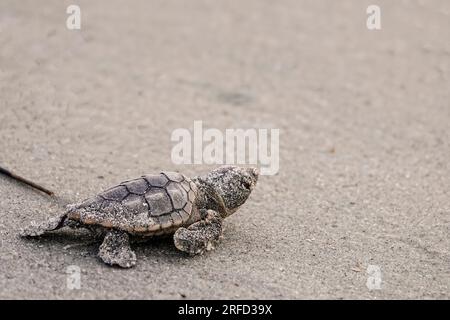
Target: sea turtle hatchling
x=158, y=204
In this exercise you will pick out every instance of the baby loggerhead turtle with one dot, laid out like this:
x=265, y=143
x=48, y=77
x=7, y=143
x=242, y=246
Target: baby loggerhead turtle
x=158, y=204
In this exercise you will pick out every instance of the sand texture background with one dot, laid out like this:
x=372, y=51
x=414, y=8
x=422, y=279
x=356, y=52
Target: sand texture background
x=364, y=119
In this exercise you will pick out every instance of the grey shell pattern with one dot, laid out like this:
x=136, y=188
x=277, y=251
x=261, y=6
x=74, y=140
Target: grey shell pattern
x=148, y=204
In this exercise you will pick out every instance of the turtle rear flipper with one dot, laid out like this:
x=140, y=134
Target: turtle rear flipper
x=116, y=251
x=37, y=229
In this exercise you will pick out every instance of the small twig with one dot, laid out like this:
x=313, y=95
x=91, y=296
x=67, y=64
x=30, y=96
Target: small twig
x=25, y=181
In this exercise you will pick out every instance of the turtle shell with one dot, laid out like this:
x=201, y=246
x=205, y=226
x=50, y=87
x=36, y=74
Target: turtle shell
x=154, y=203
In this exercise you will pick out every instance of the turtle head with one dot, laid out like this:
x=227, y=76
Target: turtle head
x=232, y=186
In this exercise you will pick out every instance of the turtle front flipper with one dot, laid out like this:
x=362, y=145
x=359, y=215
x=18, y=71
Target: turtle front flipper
x=200, y=236
x=116, y=250
x=37, y=229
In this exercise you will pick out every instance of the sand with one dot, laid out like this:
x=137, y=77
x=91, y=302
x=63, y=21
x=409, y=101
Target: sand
x=362, y=192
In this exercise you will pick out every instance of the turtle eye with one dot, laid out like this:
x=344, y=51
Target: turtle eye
x=247, y=185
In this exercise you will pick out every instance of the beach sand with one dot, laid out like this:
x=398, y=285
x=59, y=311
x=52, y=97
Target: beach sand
x=362, y=193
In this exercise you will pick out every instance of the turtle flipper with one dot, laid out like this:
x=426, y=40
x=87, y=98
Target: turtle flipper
x=200, y=236
x=37, y=229
x=116, y=250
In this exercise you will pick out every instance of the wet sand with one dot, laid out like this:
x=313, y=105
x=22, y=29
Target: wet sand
x=364, y=120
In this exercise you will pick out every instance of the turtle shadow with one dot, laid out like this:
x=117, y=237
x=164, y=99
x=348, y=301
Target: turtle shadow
x=62, y=239
x=157, y=246
x=82, y=238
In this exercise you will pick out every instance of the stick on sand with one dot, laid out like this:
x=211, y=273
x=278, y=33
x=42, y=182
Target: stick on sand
x=25, y=181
